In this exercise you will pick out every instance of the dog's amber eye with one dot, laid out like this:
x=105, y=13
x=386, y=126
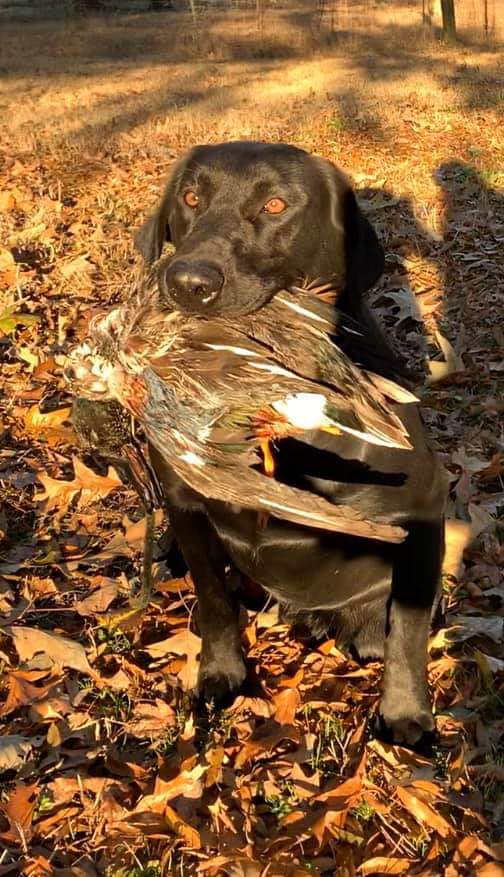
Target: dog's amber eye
x=191, y=198
x=274, y=205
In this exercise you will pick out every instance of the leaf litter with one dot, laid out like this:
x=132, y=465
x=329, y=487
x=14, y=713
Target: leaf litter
x=104, y=768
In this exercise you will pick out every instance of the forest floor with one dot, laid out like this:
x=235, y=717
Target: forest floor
x=102, y=767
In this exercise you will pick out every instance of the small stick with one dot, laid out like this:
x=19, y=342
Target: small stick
x=147, y=579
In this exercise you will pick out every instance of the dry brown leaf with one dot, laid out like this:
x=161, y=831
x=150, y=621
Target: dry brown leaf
x=458, y=537
x=185, y=831
x=184, y=643
x=90, y=486
x=187, y=783
x=266, y=738
x=286, y=703
x=19, y=809
x=7, y=269
x=384, y=865
x=53, y=427
x=58, y=649
x=214, y=759
x=22, y=691
x=13, y=750
x=75, y=265
x=151, y=719
x=125, y=544
x=452, y=361
x=481, y=520
x=491, y=869
x=341, y=795
x=7, y=200
x=100, y=599
x=423, y=813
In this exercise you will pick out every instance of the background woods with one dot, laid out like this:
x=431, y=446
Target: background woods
x=321, y=21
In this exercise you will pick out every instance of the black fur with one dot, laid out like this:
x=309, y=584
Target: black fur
x=377, y=596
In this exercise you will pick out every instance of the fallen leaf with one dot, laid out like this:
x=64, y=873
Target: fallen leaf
x=466, y=626
x=384, y=865
x=488, y=664
x=491, y=869
x=481, y=520
x=407, y=307
x=185, y=831
x=468, y=462
x=100, y=599
x=19, y=809
x=187, y=783
x=423, y=813
x=22, y=691
x=58, y=649
x=52, y=427
x=7, y=201
x=125, y=544
x=286, y=703
x=269, y=735
x=90, y=486
x=7, y=280
x=28, y=356
x=458, y=537
x=452, y=362
x=13, y=750
x=214, y=758
x=184, y=643
x=151, y=719
x=76, y=266
x=9, y=317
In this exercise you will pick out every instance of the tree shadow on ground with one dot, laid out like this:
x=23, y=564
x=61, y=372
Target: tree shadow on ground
x=473, y=252
x=465, y=262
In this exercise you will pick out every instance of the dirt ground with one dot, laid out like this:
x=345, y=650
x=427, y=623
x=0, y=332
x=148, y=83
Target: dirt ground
x=102, y=769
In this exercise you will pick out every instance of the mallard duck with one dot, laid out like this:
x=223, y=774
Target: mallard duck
x=209, y=394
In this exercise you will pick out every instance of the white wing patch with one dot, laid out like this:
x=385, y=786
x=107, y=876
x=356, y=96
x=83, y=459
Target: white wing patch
x=304, y=410
x=240, y=351
x=303, y=311
x=273, y=369
x=192, y=458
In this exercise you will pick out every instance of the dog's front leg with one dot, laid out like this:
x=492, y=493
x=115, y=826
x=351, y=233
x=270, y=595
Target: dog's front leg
x=222, y=668
x=405, y=707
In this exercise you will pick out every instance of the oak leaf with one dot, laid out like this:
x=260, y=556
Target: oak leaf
x=423, y=813
x=60, y=650
x=90, y=486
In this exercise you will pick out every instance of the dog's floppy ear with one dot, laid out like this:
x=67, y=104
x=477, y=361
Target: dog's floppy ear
x=150, y=237
x=155, y=231
x=364, y=257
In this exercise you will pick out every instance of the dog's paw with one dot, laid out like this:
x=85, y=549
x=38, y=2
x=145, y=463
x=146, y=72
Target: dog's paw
x=416, y=728
x=219, y=683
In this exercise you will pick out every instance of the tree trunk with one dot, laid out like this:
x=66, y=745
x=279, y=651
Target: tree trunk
x=260, y=17
x=448, y=13
x=194, y=14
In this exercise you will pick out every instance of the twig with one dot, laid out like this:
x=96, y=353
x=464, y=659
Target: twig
x=147, y=586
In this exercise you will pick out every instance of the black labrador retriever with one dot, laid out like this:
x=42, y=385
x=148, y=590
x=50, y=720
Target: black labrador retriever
x=247, y=219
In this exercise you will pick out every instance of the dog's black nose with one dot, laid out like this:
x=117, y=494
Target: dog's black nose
x=194, y=281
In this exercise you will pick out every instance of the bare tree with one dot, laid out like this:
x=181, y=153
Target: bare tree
x=260, y=4
x=194, y=14
x=448, y=14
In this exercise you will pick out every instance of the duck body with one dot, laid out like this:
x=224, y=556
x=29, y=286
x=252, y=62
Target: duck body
x=211, y=394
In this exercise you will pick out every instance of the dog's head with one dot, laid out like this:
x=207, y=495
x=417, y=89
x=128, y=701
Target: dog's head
x=248, y=219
